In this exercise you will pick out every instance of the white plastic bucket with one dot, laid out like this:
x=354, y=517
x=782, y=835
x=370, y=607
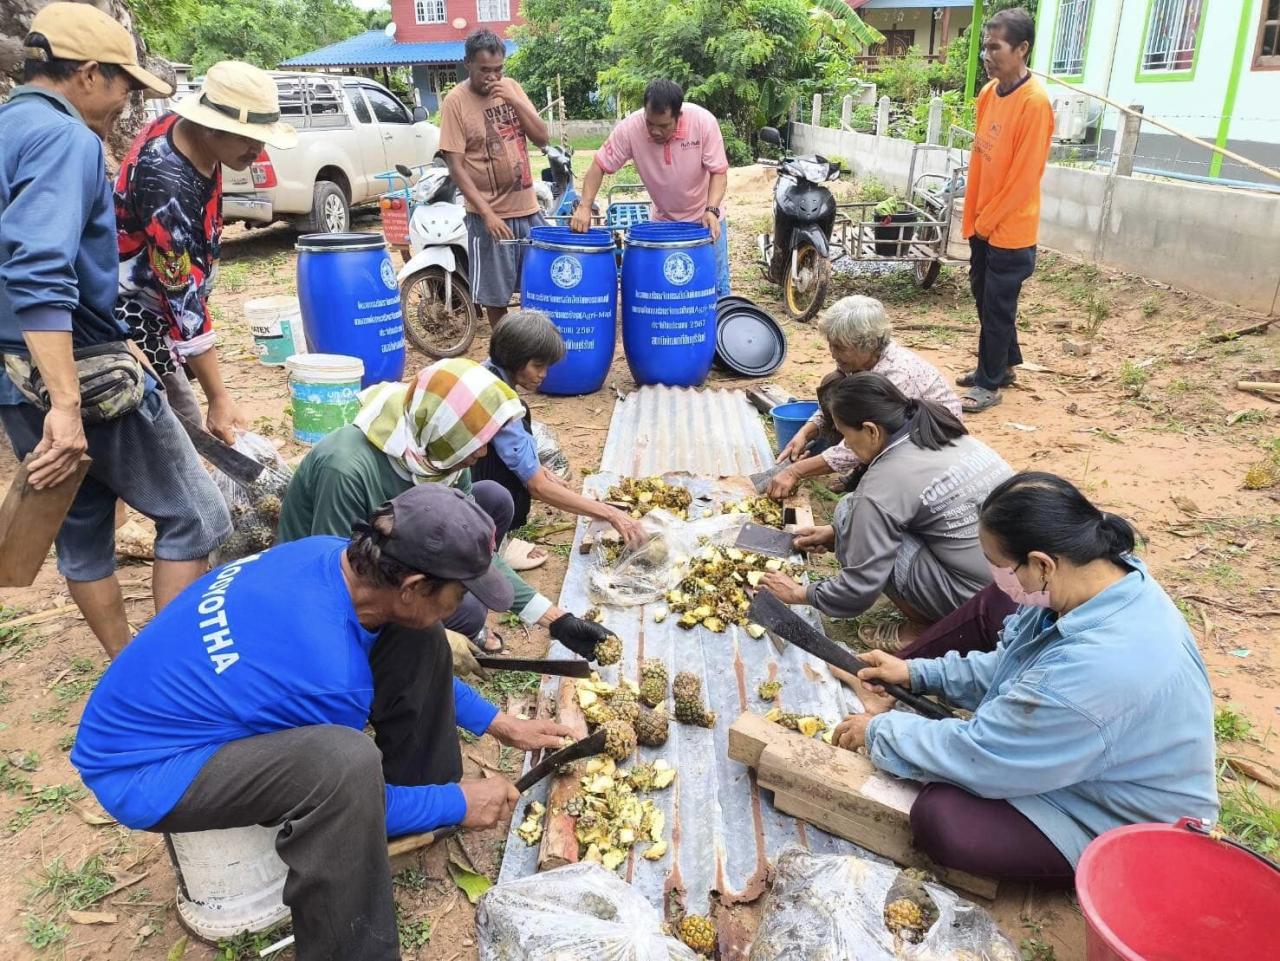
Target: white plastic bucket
x=229, y=882
x=323, y=390
x=276, y=325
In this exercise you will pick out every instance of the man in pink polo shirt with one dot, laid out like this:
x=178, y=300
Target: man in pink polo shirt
x=679, y=153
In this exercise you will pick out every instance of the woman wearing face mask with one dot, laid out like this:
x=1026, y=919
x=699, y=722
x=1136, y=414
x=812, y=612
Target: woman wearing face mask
x=1094, y=712
x=521, y=350
x=910, y=530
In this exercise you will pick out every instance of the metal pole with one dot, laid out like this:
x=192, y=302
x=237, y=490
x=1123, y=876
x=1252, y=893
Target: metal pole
x=975, y=45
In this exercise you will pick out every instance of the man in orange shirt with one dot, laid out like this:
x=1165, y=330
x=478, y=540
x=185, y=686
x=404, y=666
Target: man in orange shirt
x=1002, y=200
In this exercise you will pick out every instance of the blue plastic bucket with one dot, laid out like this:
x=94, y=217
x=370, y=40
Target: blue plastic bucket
x=669, y=303
x=573, y=280
x=789, y=418
x=351, y=302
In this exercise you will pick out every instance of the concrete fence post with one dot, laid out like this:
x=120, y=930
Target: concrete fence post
x=846, y=111
x=882, y=118
x=795, y=111
x=933, y=133
x=1129, y=132
x=816, y=117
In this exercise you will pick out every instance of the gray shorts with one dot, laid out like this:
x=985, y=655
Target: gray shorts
x=145, y=459
x=495, y=267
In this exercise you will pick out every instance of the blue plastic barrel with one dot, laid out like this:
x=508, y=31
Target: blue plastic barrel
x=669, y=303
x=351, y=302
x=573, y=279
x=789, y=418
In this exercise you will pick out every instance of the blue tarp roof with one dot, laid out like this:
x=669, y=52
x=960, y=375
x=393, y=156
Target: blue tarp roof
x=375, y=49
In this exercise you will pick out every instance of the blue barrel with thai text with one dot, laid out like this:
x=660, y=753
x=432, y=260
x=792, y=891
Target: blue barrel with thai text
x=669, y=303
x=351, y=302
x=573, y=279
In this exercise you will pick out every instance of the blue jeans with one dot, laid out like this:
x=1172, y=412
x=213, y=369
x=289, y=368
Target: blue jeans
x=722, y=260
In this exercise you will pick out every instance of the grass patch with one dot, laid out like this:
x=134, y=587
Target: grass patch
x=6, y=695
x=43, y=933
x=1150, y=306
x=67, y=741
x=247, y=947
x=50, y=715
x=1248, y=818
x=414, y=932
x=55, y=799
x=12, y=780
x=1231, y=725
x=10, y=636
x=1223, y=574
x=500, y=685
x=81, y=678
x=1133, y=378
x=411, y=878
x=1097, y=312
x=63, y=887
x=509, y=619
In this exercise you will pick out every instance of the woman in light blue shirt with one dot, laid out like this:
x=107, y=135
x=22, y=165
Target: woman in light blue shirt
x=1094, y=710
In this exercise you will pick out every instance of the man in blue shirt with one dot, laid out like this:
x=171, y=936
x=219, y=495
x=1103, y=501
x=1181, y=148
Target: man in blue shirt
x=244, y=702
x=58, y=278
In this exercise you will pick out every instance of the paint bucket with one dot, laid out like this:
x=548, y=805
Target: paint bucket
x=789, y=418
x=351, y=301
x=324, y=393
x=669, y=303
x=573, y=279
x=229, y=882
x=276, y=325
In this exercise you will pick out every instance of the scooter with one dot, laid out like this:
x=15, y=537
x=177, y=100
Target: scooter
x=797, y=256
x=440, y=316
x=556, y=194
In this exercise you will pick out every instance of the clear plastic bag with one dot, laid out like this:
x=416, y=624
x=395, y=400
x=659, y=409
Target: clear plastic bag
x=550, y=455
x=571, y=913
x=255, y=508
x=644, y=575
x=832, y=908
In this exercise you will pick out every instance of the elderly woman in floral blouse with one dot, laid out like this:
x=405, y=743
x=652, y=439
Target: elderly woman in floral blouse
x=860, y=338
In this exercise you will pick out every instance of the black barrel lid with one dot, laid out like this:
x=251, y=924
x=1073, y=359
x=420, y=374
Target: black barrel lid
x=344, y=241
x=748, y=340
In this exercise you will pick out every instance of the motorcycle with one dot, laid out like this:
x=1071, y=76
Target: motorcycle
x=556, y=194
x=440, y=315
x=797, y=256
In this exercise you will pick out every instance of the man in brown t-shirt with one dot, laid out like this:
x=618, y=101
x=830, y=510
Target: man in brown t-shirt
x=485, y=123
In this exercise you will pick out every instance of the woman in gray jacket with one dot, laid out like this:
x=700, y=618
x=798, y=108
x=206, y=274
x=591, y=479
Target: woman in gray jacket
x=910, y=530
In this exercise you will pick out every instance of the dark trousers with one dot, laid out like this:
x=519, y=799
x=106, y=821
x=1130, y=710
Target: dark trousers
x=324, y=787
x=996, y=275
x=495, y=501
x=493, y=469
x=973, y=626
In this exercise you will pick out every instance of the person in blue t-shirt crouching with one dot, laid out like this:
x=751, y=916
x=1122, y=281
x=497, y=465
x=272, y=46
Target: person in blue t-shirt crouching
x=245, y=701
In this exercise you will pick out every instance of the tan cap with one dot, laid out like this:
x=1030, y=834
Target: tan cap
x=239, y=98
x=79, y=31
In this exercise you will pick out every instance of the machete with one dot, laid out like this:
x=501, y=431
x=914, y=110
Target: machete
x=561, y=668
x=776, y=617
x=241, y=469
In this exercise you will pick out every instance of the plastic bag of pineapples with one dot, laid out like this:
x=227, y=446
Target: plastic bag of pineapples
x=255, y=509
x=580, y=911
x=847, y=908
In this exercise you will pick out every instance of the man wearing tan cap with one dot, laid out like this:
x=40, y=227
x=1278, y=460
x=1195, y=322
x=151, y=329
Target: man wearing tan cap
x=73, y=383
x=169, y=217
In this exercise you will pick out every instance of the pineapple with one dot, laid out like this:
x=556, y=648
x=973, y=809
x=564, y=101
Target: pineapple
x=619, y=740
x=609, y=651
x=651, y=727
x=653, y=682
x=698, y=933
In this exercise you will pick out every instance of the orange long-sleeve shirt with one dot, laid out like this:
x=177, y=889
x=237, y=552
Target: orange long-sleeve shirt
x=1010, y=149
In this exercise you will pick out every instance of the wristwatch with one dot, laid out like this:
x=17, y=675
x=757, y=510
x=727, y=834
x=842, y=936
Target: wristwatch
x=713, y=210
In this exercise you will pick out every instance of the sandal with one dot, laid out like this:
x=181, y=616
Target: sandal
x=978, y=399
x=519, y=555
x=478, y=644
x=882, y=636
x=970, y=379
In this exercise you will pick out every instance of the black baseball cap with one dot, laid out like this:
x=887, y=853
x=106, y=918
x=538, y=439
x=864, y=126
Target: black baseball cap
x=441, y=532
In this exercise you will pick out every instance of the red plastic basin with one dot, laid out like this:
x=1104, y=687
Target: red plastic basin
x=1160, y=892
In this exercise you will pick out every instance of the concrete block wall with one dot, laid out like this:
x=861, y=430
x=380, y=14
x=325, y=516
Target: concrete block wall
x=1222, y=243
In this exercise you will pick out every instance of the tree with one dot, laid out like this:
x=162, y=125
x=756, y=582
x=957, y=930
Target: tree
x=566, y=41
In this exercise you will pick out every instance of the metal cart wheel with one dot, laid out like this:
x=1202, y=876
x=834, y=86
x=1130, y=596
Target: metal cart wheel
x=439, y=316
x=805, y=286
x=926, y=272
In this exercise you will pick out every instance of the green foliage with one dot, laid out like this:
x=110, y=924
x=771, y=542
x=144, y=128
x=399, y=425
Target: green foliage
x=566, y=41
x=246, y=947
x=1247, y=817
x=1231, y=725
x=414, y=933
x=1133, y=377
x=55, y=799
x=43, y=933
x=62, y=886
x=736, y=147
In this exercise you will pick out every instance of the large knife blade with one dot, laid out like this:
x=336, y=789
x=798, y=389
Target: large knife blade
x=567, y=667
x=241, y=469
x=760, y=480
x=775, y=616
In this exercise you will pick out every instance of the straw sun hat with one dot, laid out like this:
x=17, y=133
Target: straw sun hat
x=239, y=98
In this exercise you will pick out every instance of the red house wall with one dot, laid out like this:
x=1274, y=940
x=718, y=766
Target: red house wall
x=408, y=30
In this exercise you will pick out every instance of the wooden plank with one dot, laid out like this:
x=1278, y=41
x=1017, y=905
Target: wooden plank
x=559, y=842
x=29, y=521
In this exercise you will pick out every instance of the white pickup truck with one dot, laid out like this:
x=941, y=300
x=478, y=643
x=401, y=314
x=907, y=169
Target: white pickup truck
x=349, y=130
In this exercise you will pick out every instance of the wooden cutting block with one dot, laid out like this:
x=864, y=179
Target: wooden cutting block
x=559, y=841
x=29, y=521
x=841, y=792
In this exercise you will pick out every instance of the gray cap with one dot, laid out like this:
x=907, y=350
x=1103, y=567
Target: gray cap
x=442, y=532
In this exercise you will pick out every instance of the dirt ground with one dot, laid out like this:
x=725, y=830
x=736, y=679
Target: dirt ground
x=1124, y=394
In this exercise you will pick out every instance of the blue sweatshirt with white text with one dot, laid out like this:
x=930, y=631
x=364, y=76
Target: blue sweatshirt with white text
x=264, y=644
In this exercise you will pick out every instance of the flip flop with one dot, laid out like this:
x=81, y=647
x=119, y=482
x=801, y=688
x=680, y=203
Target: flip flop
x=882, y=636
x=969, y=379
x=978, y=399
x=518, y=556
x=478, y=642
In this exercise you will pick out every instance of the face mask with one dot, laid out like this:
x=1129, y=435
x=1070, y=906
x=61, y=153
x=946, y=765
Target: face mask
x=1006, y=578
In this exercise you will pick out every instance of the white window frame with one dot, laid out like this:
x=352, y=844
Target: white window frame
x=430, y=11
x=493, y=11
x=1173, y=30
x=1070, y=38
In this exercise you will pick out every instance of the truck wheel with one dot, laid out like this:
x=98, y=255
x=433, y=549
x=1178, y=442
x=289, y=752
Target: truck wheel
x=330, y=213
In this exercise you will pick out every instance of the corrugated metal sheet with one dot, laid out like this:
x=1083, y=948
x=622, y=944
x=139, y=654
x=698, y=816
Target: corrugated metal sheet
x=375, y=49
x=723, y=829
x=707, y=433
